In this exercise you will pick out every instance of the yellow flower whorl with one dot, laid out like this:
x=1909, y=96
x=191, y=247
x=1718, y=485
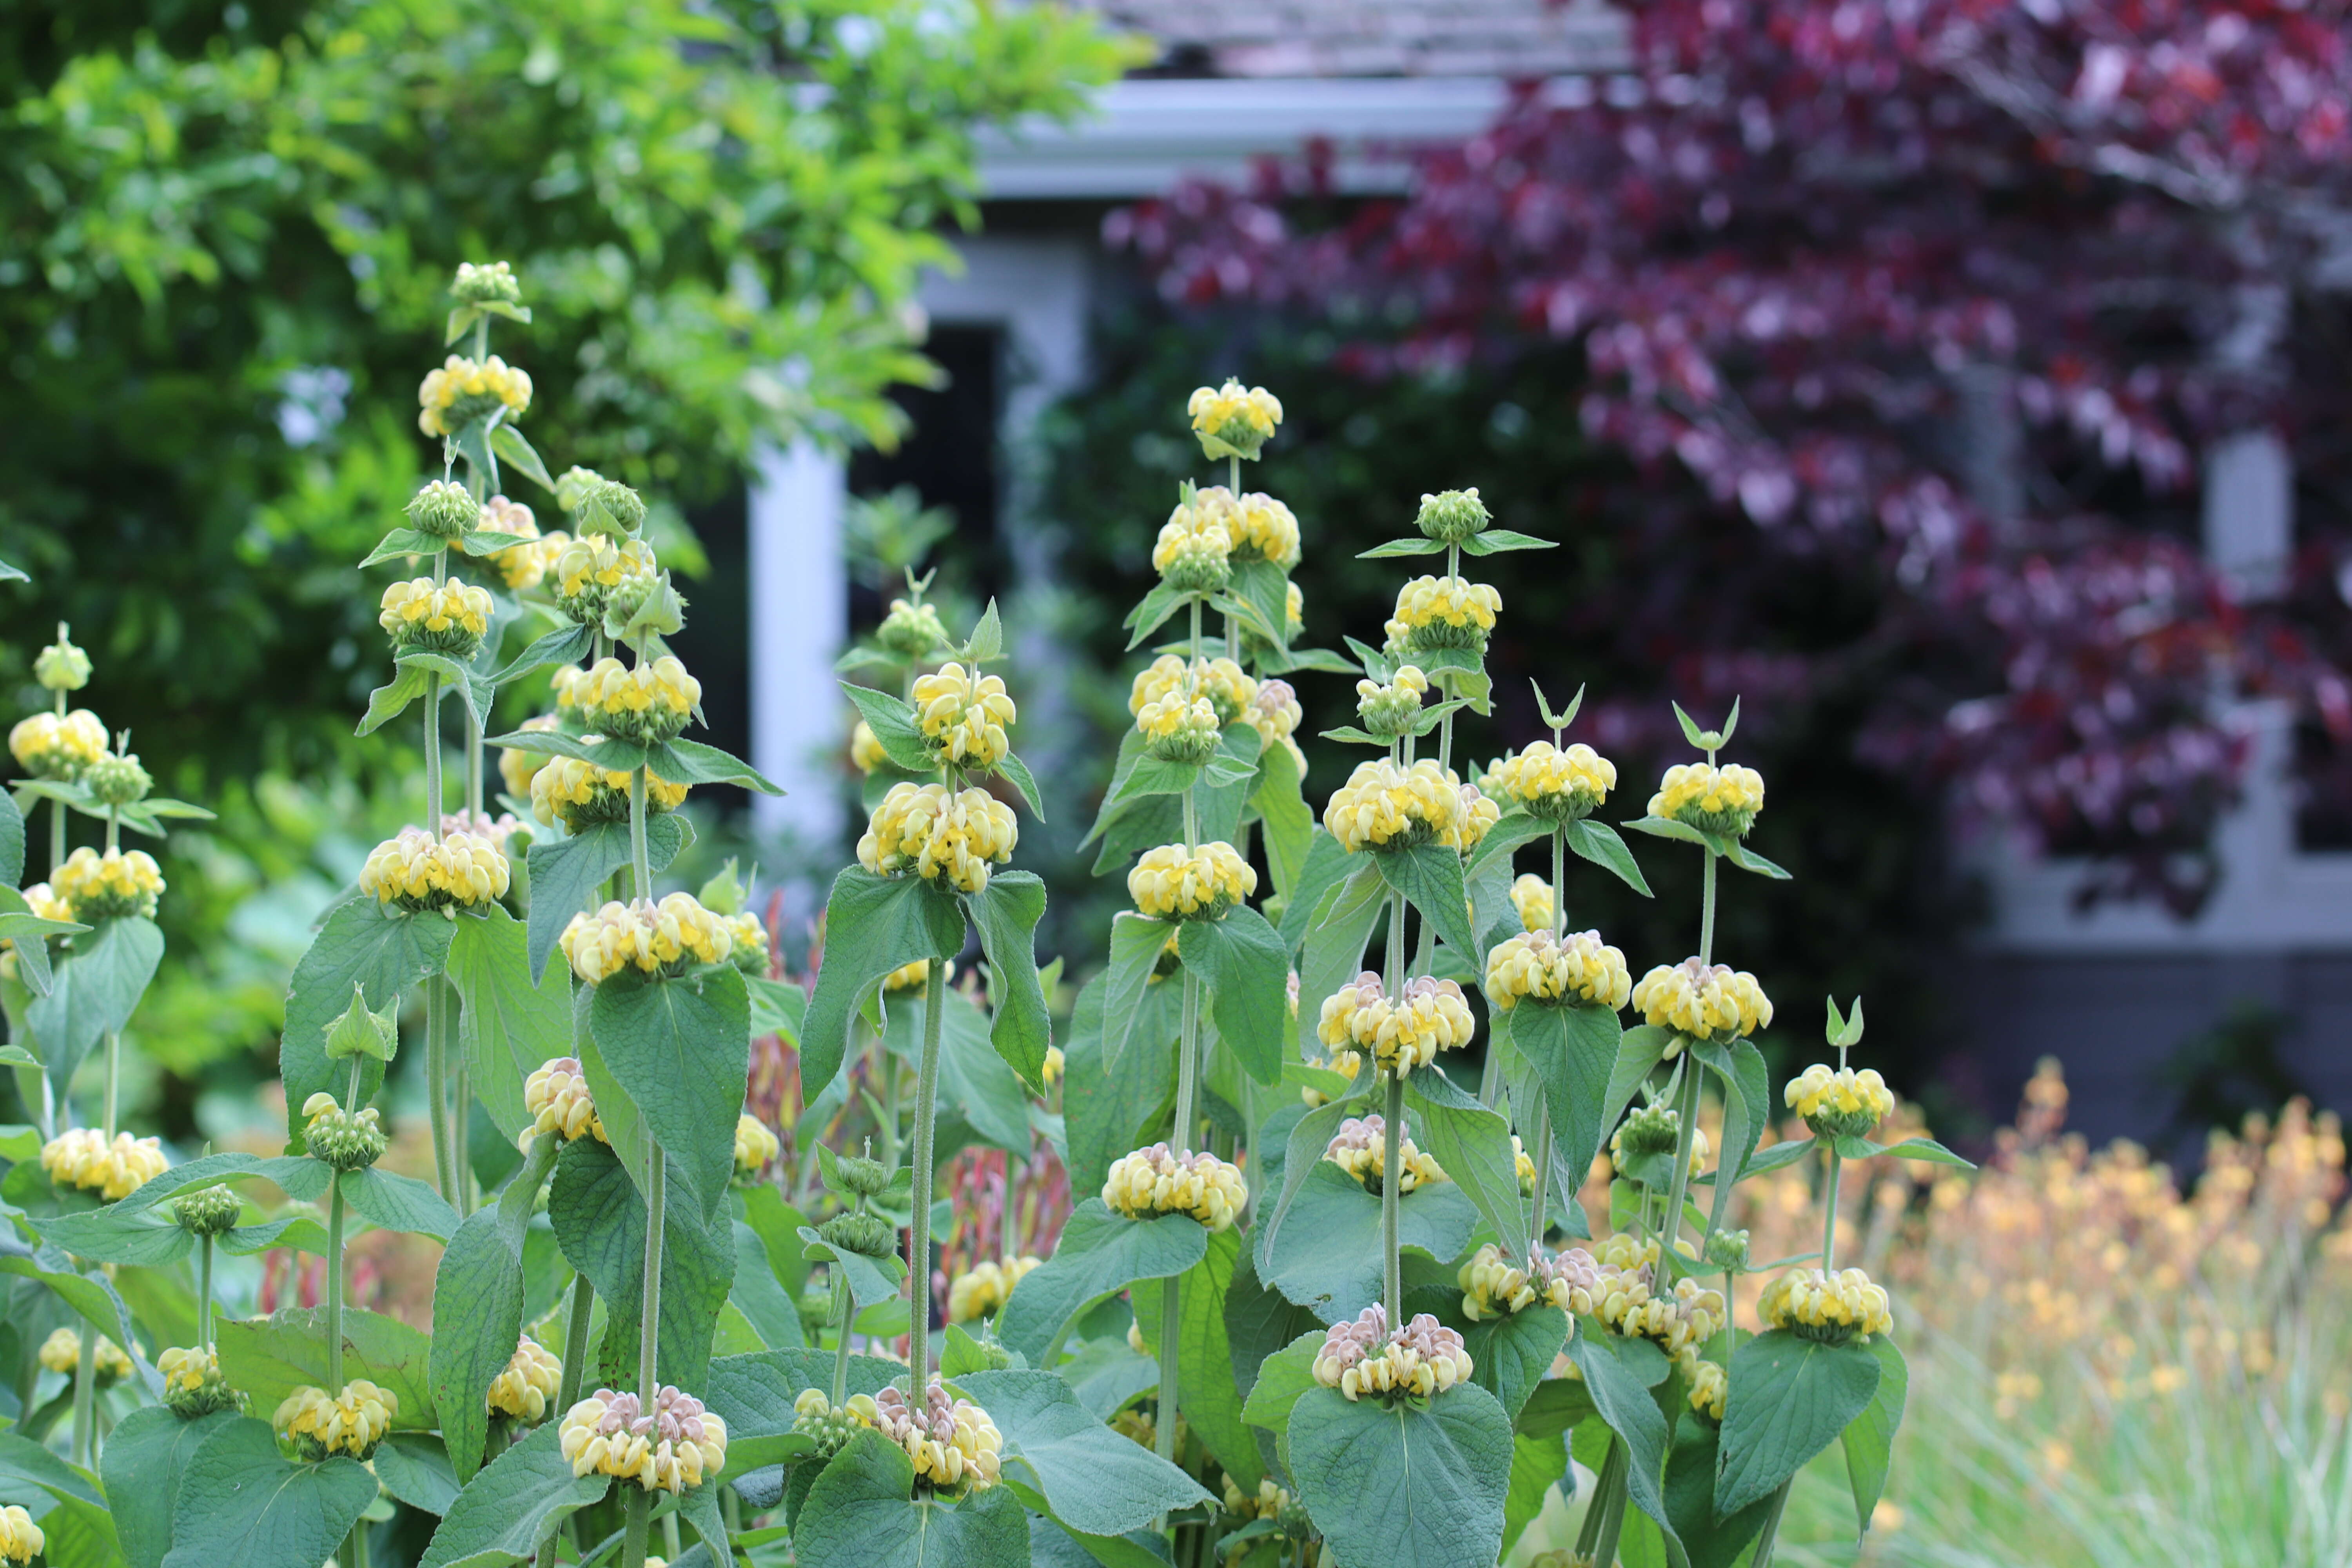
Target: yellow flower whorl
x=666, y=938
x=865, y=751
x=1710, y=1386
x=1614, y=1290
x=1839, y=1101
x=1836, y=1308
x=1174, y=883
x=516, y=769
x=50, y=746
x=1541, y=967
x=755, y=1145
x=419, y=873
x=1157, y=1180
x=1361, y=1149
x=102, y=886
x=590, y=570
x=1531, y=896
x=1402, y=1033
x=352, y=1421
x=1417, y=1361
x=528, y=1385
x=1704, y=1002
x=1228, y=688
x=21, y=1540
x=522, y=566
x=193, y=1383
x=449, y=617
x=61, y=1352
x=954, y=837
x=1179, y=729
x=1231, y=420
x=1493, y=1286
x=1195, y=543
x=1714, y=799
x=1557, y=785
x=1385, y=806
x=1442, y=612
x=953, y=1444
x=86, y=1159
x=557, y=1100
x=962, y=716
x=916, y=975
x=670, y=1449
x=649, y=702
x=982, y=1289
x=463, y=389
x=578, y=794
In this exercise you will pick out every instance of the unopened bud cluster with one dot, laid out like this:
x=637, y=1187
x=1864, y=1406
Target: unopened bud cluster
x=1361, y=1148
x=114, y=1168
x=107, y=887
x=62, y=667
x=444, y=510
x=1392, y=707
x=1417, y=1361
x=1174, y=883
x=484, y=283
x=1441, y=613
x=869, y=1235
x=463, y=390
x=449, y=617
x=1157, y=1180
x=941, y=834
x=911, y=629
x=193, y=1383
x=962, y=716
x=1541, y=967
x=1835, y=1309
x=59, y=746
x=415, y=871
x=118, y=779
x=1839, y=1102
x=981, y=1290
x=1653, y=1130
x=1179, y=729
x=648, y=703
x=557, y=1100
x=1400, y=1033
x=528, y=1385
x=1192, y=553
x=207, y=1211
x=1557, y=785
x=668, y=937
x=1713, y=799
x=668, y=1448
x=1452, y=516
x=1702, y=1001
x=1231, y=420
x=348, y=1141
x=318, y=1424
x=830, y=1430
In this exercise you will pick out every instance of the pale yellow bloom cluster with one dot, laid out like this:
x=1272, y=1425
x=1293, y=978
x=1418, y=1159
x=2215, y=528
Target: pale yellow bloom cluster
x=1840, y=1101
x=1174, y=883
x=185, y=1370
x=418, y=872
x=1233, y=420
x=557, y=1098
x=952, y=1441
x=1386, y=806
x=85, y=1158
x=755, y=1145
x=1343, y=1062
x=1157, y=1180
x=589, y=570
x=1228, y=688
x=1716, y=799
x=1832, y=1307
x=1704, y=1002
x=528, y=1385
x=523, y=566
x=941, y=834
x=669, y=1449
x=21, y=1540
x=518, y=768
x=749, y=934
x=461, y=381
x=916, y=975
x=655, y=939
x=1710, y=1386
x=1404, y=1032
x=567, y=790
x=1392, y=708
x=1523, y=1165
x=101, y=887
x=1557, y=785
x=445, y=617
x=1477, y=815
x=1275, y=713
x=866, y=752
x=61, y=1352
x=41, y=902
x=981, y=1290
x=1361, y=1148
x=1268, y=1501
x=648, y=702
x=1493, y=1286
x=1442, y=612
x=352, y=1421
x=1418, y=1360
x=1263, y=529
x=962, y=716
x=1179, y=729
x=1541, y=967
x=55, y=746
x=1615, y=1289
x=1531, y=897
x=1194, y=546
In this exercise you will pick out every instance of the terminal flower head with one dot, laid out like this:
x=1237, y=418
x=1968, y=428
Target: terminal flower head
x=649, y=702
x=1174, y=883
x=953, y=836
x=1231, y=420
x=556, y=1096
x=1452, y=516
x=912, y=630
x=346, y=1140
x=1541, y=967
x=1712, y=799
x=484, y=283
x=317, y=1424
x=1441, y=613
x=1400, y=1033
x=1557, y=785
x=449, y=617
x=1836, y=1308
x=1417, y=1361
x=1703, y=1002
x=1392, y=707
x=963, y=716
x=114, y=1168
x=62, y=667
x=463, y=390
x=1839, y=1102
x=670, y=1447
x=1158, y=1179
x=528, y=1385
x=578, y=794
x=57, y=746
x=415, y=871
x=659, y=939
x=1391, y=805
x=445, y=510
x=208, y=1211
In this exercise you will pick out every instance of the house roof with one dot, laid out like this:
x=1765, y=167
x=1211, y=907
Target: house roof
x=1339, y=38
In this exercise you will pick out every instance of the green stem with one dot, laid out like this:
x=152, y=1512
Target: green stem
x=85, y=1397
x=460, y=1140
x=1764, y=1539
x=927, y=1095
x=1706, y=911
x=888, y=1065
x=113, y=829
x=1829, y=1218
x=669, y=1536
x=1612, y=1520
x=436, y=1096
x=1172, y=1318
x=575, y=1342
x=473, y=770
x=1539, y=1223
x=1391, y=1171
x=358, y=1542
x=1490, y=1077
x=56, y=836
x=113, y=1080
x=335, y=1286
x=641, y=866
x=1687, y=1118
x=844, y=1310
x=1188, y=1066
x=204, y=1292
x=636, y=1526
x=1560, y=881
x=1611, y=1475
x=649, y=1325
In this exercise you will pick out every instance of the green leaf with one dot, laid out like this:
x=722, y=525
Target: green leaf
x=1335, y=938
x=1148, y=616
x=1005, y=914
x=565, y=645
x=415, y=1469
x=871, y=1279
x=1869, y=1438
x=1096, y=1480
x=693, y=762
x=1310, y=1135
x=25, y=1465
x=1282, y=1378
x=1509, y=1355
x=508, y=442
x=1207, y=1393
x=1406, y=1483
x=568, y=874
x=1925, y=1149
x=390, y=1202
x=1538, y=1465
x=860, y=1512
x=1263, y=589
x=892, y=720
x=680, y=1049
x=1153, y=776
x=401, y=543
x=1136, y=943
x=1691, y=1469
x=873, y=925
x=1325, y=867
x=1430, y=876
x=1247, y=971
x=987, y=640
x=269, y=1358
x=1396, y=547
x=513, y=1505
x=600, y=1221
x=1555, y=1406
x=507, y=1027
x=96, y=987
x=1639, y=1049
x=1495, y=541
x=142, y=1237
x=760, y=1296
x=473, y=443
x=478, y=1310
x=1501, y=840
x=754, y=1393
x=1598, y=842
x=1789, y=1399
x=390, y=700
x=364, y=943
x=1622, y=1394
x=1747, y=860
x=1110, y=1108
x=1746, y=1111
x=1099, y=1253
x=1327, y=1254
x=1474, y=1146
x=1016, y=772
x=93, y=1295
x=1667, y=827
x=1786, y=1152
x=240, y=1503
x=1573, y=1052
x=459, y=678
x=142, y=1464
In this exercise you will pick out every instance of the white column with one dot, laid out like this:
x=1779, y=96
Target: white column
x=800, y=613
x=2249, y=513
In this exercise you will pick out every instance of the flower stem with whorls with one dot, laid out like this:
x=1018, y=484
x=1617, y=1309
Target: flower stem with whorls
x=926, y=1094
x=844, y=1307
x=575, y=1361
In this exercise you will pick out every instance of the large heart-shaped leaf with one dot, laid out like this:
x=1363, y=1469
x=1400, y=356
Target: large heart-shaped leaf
x=516, y=1502
x=1095, y=1480
x=365, y=945
x=1327, y=1254
x=94, y=989
x=1789, y=1399
x=269, y=1358
x=872, y=925
x=1248, y=973
x=142, y=1463
x=862, y=1512
x=1099, y=1253
x=240, y=1503
x=1405, y=1484
x=680, y=1049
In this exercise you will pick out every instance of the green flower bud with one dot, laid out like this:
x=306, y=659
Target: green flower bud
x=1727, y=1250
x=573, y=485
x=868, y=1235
x=207, y=1211
x=861, y=1177
x=1452, y=516
x=911, y=630
x=341, y=1139
x=62, y=667
x=484, y=283
x=609, y=507
x=117, y=779
x=444, y=510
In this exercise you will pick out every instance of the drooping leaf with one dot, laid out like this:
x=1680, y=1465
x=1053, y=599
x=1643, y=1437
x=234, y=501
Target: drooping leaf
x=1326, y=1256
x=1110, y=1108
x=1789, y=1399
x=1405, y=1483
x=1510, y=1354
x=415, y=1469
x=892, y=720
x=862, y=1512
x=365, y=945
x=1598, y=842
x=1099, y=1253
x=1335, y=934
x=478, y=1311
x=1472, y=1144
x=1136, y=943
x=680, y=1049
x=515, y=1503
x=568, y=874
x=141, y=1465
x=269, y=1357
x=95, y=988
x=1869, y=1437
x=392, y=1201
x=1005, y=914
x=975, y=1082
x=508, y=1025
x=688, y=762
x=239, y=1503
x=600, y=1220
x=1098, y=1480
x=1247, y=971
x=1281, y=806
x=754, y=1393
x=1690, y=1499
x=873, y=925
x=565, y=645
x=1619, y=1374
x=1206, y=1391
x=1429, y=877
x=1571, y=1052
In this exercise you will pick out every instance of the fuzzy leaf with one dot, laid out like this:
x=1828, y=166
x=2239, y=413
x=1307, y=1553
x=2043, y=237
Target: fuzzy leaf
x=95, y=988
x=513, y=1505
x=1789, y=1399
x=238, y=1501
x=568, y=875
x=1327, y=1254
x=507, y=1027
x=861, y=1511
x=1247, y=970
x=1869, y=1437
x=269, y=1357
x=1430, y=876
x=1095, y=1479
x=364, y=943
x=142, y=1464
x=1207, y=1391
x=1005, y=914
x=600, y=1221
x=681, y=1049
x=892, y=720
x=1406, y=1483
x=873, y=925
x=397, y=1203
x=1099, y=1253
